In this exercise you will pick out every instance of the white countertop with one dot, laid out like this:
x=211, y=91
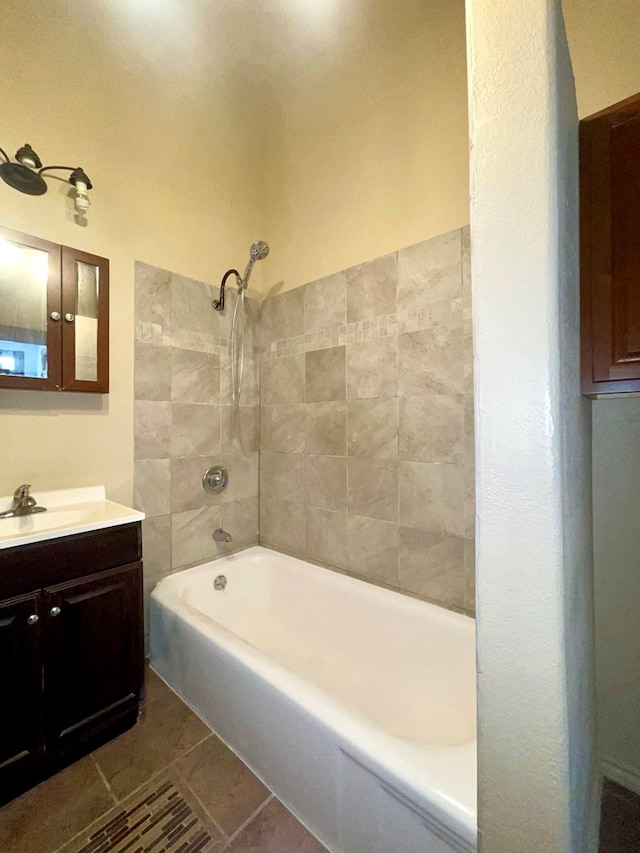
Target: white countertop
x=69, y=511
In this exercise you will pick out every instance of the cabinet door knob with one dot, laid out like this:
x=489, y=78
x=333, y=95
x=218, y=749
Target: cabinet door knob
x=55, y=315
x=31, y=620
x=55, y=611
x=69, y=318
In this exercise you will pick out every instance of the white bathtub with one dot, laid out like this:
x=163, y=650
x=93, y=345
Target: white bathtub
x=355, y=705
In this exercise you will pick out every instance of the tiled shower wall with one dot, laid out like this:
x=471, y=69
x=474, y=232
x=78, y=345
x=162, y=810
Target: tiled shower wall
x=184, y=423
x=366, y=421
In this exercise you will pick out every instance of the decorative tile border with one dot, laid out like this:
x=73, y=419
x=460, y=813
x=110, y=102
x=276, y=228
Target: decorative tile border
x=159, y=819
x=445, y=313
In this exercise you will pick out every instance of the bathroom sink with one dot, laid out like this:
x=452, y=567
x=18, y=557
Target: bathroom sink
x=50, y=520
x=69, y=511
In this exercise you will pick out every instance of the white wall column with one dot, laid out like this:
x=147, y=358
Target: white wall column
x=533, y=431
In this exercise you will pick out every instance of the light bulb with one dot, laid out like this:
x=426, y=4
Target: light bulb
x=82, y=200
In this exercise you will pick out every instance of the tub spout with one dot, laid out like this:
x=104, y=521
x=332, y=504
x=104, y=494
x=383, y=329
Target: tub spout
x=221, y=535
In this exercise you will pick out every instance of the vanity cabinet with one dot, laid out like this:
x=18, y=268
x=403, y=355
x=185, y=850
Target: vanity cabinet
x=72, y=650
x=54, y=316
x=610, y=249
x=21, y=706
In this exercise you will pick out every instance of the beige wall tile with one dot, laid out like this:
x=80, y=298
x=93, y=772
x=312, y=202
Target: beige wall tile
x=372, y=548
x=432, y=496
x=430, y=272
x=152, y=372
x=372, y=368
x=191, y=308
x=325, y=303
x=284, y=525
x=284, y=428
x=282, y=316
x=469, y=451
x=240, y=429
x=282, y=380
x=326, y=482
x=371, y=288
x=152, y=486
x=327, y=536
x=250, y=388
x=430, y=361
x=156, y=547
x=469, y=501
x=187, y=492
x=243, y=476
x=240, y=519
x=195, y=429
x=432, y=565
x=152, y=430
x=466, y=273
x=282, y=476
x=191, y=536
x=326, y=429
x=325, y=372
x=195, y=377
x=372, y=429
x=431, y=428
x=373, y=488
x=153, y=297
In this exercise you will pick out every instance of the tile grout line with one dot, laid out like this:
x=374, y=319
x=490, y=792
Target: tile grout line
x=104, y=779
x=233, y=837
x=217, y=826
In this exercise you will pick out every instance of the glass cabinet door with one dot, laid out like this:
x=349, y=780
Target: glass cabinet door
x=85, y=325
x=30, y=312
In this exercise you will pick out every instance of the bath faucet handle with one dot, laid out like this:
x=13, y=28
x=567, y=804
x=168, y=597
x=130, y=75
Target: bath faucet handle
x=22, y=497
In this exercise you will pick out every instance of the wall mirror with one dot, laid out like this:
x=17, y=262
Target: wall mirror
x=54, y=316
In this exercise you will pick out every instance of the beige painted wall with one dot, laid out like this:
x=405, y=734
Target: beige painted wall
x=604, y=40
x=366, y=138
x=144, y=101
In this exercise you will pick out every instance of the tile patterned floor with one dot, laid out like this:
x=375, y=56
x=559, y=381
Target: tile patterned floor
x=170, y=786
x=167, y=786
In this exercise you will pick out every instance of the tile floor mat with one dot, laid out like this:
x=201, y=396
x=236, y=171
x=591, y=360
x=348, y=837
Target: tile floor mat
x=158, y=820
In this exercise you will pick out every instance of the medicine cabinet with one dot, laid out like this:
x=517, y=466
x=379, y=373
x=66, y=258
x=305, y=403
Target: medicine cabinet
x=54, y=316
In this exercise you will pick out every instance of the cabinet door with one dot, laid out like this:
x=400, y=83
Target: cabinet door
x=21, y=705
x=85, y=325
x=610, y=249
x=30, y=318
x=93, y=654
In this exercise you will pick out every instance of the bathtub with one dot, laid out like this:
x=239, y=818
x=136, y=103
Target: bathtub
x=355, y=705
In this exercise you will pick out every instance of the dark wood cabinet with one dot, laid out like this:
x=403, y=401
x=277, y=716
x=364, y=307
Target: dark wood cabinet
x=54, y=316
x=20, y=709
x=71, y=652
x=610, y=249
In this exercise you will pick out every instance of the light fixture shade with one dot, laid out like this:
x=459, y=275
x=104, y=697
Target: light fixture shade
x=23, y=178
x=28, y=157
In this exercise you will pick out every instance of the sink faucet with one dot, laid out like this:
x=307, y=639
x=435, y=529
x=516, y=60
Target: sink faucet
x=23, y=503
x=221, y=535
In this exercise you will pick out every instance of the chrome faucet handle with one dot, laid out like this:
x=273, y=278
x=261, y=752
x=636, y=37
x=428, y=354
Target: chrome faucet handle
x=22, y=491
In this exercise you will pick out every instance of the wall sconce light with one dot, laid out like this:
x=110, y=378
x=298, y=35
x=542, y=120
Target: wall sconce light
x=26, y=173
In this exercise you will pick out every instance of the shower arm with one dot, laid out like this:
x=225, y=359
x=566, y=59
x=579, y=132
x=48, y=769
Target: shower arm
x=218, y=304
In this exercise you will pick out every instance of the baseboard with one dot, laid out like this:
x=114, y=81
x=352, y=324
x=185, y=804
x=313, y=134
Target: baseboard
x=624, y=775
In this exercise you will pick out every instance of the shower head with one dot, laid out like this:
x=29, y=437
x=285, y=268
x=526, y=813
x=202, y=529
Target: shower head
x=257, y=252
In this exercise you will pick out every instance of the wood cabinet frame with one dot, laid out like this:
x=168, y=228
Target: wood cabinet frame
x=62, y=298
x=609, y=276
